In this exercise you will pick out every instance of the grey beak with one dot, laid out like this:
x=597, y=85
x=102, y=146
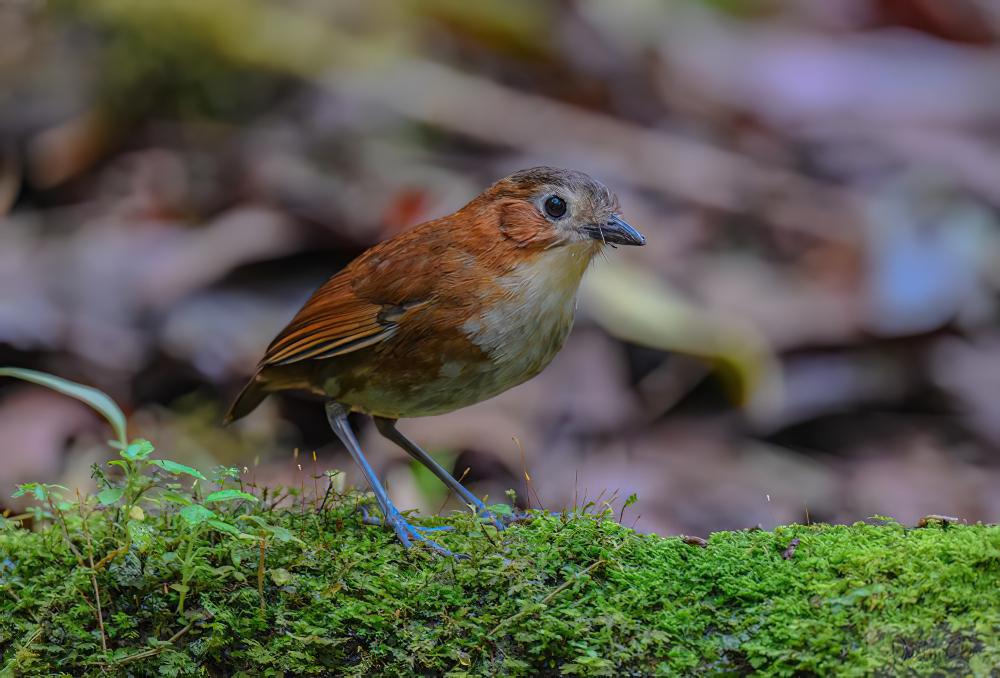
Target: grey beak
x=616, y=232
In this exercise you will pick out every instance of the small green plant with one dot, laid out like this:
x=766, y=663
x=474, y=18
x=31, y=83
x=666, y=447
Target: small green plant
x=130, y=489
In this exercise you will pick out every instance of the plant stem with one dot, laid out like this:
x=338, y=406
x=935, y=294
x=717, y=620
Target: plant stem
x=62, y=523
x=260, y=574
x=8, y=670
x=93, y=573
x=186, y=570
x=145, y=654
x=530, y=609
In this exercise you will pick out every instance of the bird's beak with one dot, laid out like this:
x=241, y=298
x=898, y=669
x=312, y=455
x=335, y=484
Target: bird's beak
x=615, y=232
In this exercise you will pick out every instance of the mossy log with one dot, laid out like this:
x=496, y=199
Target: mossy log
x=578, y=594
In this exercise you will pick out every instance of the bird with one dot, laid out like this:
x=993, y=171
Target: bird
x=446, y=314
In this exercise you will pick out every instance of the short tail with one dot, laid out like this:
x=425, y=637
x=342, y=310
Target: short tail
x=247, y=401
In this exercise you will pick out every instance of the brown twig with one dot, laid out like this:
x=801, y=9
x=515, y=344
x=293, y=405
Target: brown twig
x=93, y=572
x=315, y=480
x=8, y=670
x=482, y=527
x=302, y=491
x=278, y=499
x=528, y=485
x=566, y=584
x=260, y=574
x=111, y=556
x=550, y=597
x=62, y=523
x=326, y=496
x=524, y=471
x=329, y=490
x=448, y=494
x=152, y=652
x=80, y=560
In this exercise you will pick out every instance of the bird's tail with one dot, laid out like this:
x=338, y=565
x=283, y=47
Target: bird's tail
x=247, y=401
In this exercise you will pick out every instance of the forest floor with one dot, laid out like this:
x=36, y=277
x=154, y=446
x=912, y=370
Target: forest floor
x=575, y=594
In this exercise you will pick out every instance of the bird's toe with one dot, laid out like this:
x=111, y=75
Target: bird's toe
x=409, y=534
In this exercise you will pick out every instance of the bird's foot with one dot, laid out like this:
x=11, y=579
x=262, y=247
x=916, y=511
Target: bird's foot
x=368, y=519
x=408, y=533
x=499, y=522
x=504, y=519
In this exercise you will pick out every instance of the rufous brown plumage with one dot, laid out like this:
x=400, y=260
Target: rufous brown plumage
x=449, y=313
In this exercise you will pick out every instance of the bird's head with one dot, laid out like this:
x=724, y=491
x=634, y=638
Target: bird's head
x=550, y=207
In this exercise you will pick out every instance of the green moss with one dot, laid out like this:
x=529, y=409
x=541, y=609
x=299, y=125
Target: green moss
x=577, y=595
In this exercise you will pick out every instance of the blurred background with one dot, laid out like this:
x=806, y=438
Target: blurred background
x=811, y=334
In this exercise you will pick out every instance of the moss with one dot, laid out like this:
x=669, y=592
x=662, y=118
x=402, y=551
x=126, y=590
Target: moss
x=576, y=595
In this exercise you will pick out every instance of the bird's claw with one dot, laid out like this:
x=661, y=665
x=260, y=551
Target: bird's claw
x=504, y=520
x=499, y=522
x=368, y=519
x=407, y=533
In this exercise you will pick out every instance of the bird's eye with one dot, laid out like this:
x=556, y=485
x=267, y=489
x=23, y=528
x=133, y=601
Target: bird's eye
x=555, y=206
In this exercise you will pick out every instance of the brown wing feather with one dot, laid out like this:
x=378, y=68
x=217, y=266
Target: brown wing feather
x=334, y=321
x=361, y=305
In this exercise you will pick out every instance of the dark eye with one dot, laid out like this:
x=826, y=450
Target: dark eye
x=555, y=206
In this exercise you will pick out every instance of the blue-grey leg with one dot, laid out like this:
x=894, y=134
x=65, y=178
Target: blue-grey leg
x=336, y=414
x=387, y=427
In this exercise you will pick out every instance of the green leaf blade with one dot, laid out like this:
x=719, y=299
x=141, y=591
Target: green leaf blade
x=225, y=527
x=139, y=450
x=98, y=400
x=110, y=495
x=196, y=514
x=177, y=469
x=229, y=495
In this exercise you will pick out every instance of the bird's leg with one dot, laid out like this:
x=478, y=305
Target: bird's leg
x=387, y=427
x=336, y=414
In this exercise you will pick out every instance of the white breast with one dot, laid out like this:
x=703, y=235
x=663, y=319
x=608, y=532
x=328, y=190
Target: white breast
x=523, y=331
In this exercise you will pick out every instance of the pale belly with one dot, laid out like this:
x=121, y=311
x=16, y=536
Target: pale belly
x=518, y=336
x=521, y=347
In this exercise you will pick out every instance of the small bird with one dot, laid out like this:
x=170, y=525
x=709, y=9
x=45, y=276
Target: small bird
x=445, y=315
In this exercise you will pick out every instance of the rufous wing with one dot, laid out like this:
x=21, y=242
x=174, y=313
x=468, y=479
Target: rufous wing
x=362, y=305
x=334, y=321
